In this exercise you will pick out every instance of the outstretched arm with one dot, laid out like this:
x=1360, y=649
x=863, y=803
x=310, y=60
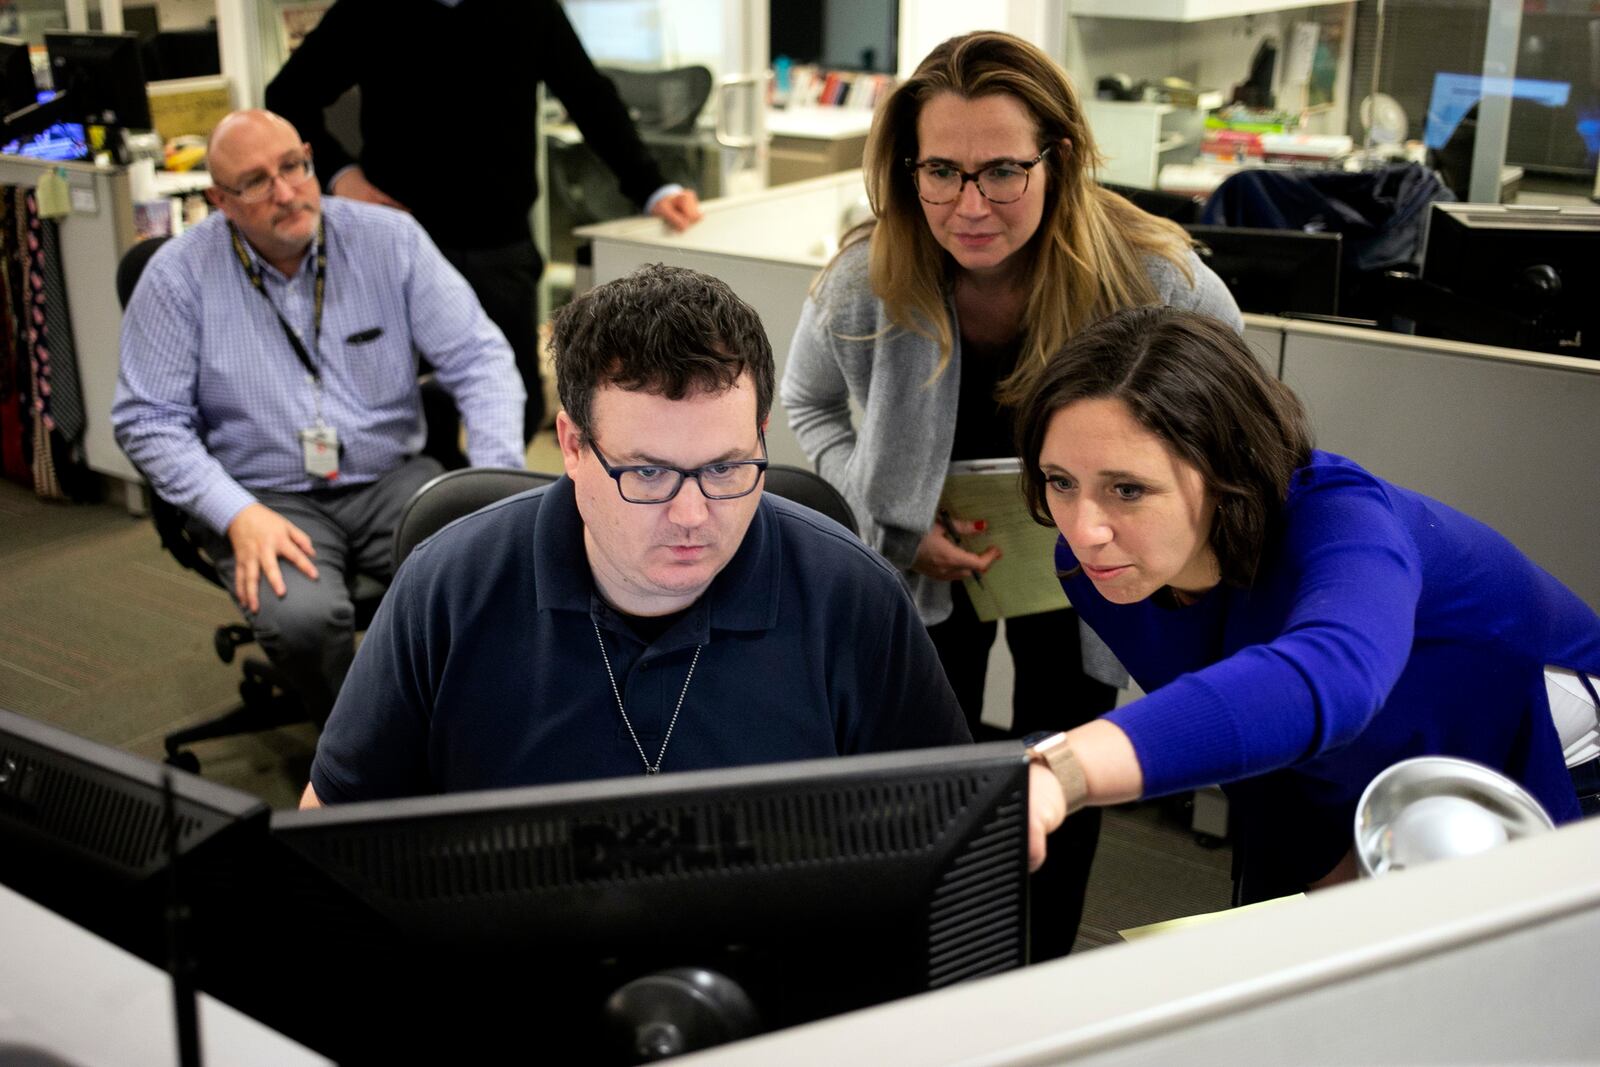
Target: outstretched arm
x=317, y=74
x=1111, y=771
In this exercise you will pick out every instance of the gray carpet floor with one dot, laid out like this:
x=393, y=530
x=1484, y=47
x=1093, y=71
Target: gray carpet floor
x=103, y=634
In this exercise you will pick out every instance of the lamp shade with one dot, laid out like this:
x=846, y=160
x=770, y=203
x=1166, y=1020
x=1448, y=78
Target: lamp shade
x=1437, y=807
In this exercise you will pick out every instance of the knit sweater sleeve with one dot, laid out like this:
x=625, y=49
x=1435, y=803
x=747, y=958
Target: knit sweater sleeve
x=816, y=395
x=1346, y=584
x=1199, y=290
x=889, y=463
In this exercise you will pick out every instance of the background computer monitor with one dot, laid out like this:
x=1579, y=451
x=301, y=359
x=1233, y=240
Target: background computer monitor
x=1454, y=95
x=17, y=87
x=97, y=80
x=1519, y=278
x=447, y=926
x=841, y=34
x=1274, y=272
x=83, y=832
x=102, y=75
x=170, y=54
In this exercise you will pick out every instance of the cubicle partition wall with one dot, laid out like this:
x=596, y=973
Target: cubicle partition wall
x=1506, y=436
x=1266, y=344
x=1482, y=960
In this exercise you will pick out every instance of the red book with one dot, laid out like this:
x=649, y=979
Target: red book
x=830, y=89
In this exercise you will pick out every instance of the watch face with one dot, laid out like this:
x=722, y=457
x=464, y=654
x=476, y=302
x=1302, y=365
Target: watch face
x=1037, y=736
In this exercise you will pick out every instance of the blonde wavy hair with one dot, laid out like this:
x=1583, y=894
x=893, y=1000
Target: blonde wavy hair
x=1087, y=258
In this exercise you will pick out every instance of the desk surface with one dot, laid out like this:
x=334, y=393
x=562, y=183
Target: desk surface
x=66, y=991
x=810, y=123
x=820, y=123
x=1202, y=177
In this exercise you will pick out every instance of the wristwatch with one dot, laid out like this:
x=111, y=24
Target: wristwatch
x=1053, y=752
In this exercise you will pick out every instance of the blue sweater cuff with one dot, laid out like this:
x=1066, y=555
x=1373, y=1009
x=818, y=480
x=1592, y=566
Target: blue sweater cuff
x=1184, y=735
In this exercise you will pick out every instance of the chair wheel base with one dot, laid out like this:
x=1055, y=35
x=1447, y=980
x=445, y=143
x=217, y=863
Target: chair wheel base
x=226, y=639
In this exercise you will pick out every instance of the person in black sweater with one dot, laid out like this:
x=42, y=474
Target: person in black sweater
x=449, y=131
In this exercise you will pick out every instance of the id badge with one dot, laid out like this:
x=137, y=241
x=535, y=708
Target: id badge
x=321, y=447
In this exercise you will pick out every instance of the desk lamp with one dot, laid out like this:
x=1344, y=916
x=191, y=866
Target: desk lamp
x=1436, y=807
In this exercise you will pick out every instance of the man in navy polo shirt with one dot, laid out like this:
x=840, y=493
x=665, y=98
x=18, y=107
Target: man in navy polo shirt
x=650, y=611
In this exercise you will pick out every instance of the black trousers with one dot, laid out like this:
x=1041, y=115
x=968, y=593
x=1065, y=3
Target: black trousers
x=506, y=280
x=1051, y=692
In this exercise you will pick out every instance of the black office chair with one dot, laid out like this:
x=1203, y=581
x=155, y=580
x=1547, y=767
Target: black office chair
x=456, y=493
x=444, y=499
x=264, y=701
x=1381, y=213
x=661, y=102
x=811, y=489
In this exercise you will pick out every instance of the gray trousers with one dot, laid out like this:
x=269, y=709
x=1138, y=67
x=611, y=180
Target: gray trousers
x=309, y=632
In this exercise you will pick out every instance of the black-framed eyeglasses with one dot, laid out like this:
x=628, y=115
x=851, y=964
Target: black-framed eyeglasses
x=1003, y=181
x=655, y=483
x=295, y=172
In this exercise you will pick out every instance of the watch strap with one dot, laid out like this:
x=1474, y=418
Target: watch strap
x=1055, y=753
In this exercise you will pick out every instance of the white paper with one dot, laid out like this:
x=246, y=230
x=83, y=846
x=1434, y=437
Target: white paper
x=1576, y=718
x=142, y=181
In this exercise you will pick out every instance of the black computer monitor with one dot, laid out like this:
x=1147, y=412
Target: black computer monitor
x=1274, y=272
x=97, y=80
x=170, y=54
x=858, y=35
x=447, y=927
x=1517, y=277
x=83, y=833
x=102, y=75
x=17, y=87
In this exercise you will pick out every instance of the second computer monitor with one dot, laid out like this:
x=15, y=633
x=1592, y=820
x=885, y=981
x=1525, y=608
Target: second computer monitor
x=17, y=89
x=1274, y=272
x=551, y=917
x=102, y=77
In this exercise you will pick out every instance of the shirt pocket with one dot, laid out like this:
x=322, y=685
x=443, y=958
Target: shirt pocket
x=382, y=369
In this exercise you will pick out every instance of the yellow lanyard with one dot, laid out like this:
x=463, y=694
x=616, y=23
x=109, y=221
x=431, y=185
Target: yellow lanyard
x=254, y=274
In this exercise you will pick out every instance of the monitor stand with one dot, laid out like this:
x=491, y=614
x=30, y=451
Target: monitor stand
x=680, y=1010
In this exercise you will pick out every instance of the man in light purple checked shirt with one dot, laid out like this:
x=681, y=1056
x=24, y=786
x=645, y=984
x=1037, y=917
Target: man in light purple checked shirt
x=268, y=388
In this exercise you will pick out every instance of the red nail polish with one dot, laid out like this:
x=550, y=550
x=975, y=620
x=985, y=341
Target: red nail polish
x=980, y=525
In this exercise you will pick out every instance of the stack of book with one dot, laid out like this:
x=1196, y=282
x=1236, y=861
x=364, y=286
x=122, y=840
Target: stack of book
x=1239, y=134
x=811, y=86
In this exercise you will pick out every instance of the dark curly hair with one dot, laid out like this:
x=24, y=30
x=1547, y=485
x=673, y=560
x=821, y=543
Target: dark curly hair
x=1192, y=382
x=663, y=330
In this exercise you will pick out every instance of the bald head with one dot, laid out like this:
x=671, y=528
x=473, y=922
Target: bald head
x=239, y=130
x=262, y=183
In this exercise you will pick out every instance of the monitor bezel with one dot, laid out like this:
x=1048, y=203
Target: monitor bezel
x=1324, y=251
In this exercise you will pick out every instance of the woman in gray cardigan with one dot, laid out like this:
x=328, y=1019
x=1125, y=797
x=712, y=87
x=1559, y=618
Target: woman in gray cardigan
x=993, y=244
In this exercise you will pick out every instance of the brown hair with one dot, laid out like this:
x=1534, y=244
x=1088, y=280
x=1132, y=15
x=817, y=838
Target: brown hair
x=1192, y=382
x=1087, y=258
x=659, y=329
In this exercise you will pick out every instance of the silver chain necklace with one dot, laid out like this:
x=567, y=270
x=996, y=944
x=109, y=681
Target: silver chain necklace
x=648, y=767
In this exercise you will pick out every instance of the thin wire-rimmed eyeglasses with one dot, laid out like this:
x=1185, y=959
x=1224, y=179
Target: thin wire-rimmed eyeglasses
x=1002, y=181
x=655, y=483
x=294, y=173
